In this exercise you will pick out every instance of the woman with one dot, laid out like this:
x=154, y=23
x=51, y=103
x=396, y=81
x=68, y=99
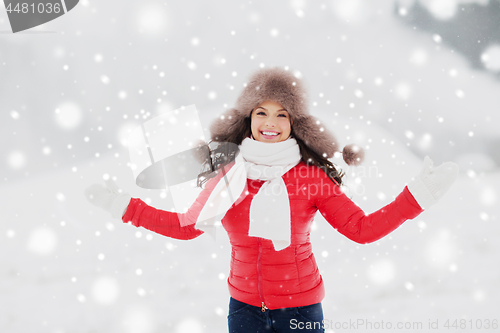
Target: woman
x=278, y=178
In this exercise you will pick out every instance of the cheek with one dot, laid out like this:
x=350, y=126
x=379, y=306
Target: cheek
x=285, y=125
x=255, y=125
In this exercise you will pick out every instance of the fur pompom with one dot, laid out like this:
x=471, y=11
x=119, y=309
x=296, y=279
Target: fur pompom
x=315, y=136
x=201, y=152
x=353, y=154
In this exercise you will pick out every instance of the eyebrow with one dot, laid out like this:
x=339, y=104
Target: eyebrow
x=260, y=107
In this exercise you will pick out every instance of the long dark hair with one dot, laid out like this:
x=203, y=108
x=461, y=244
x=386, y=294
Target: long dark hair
x=219, y=154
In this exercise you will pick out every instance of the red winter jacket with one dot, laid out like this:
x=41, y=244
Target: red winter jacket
x=290, y=277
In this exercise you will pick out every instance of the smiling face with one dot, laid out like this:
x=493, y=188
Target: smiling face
x=270, y=122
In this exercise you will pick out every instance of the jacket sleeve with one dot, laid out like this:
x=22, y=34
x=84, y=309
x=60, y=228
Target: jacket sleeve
x=170, y=224
x=160, y=221
x=350, y=220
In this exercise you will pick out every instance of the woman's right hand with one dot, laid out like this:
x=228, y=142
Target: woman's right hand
x=108, y=197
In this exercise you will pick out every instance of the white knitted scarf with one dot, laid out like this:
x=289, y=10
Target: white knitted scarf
x=270, y=207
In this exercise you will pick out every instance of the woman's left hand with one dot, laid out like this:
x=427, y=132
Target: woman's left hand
x=432, y=183
x=108, y=197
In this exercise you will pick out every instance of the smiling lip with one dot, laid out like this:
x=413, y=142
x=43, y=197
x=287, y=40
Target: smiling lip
x=269, y=136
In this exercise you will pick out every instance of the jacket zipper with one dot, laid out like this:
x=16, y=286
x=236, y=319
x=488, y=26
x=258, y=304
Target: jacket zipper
x=263, y=307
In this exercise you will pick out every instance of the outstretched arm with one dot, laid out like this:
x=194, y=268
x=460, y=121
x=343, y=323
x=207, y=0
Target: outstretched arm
x=175, y=225
x=136, y=211
x=350, y=220
x=159, y=221
x=422, y=192
x=110, y=198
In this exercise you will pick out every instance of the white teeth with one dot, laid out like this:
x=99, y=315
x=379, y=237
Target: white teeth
x=269, y=133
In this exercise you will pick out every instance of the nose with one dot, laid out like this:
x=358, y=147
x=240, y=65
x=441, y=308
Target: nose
x=270, y=122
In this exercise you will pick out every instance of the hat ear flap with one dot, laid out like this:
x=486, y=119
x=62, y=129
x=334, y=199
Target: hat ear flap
x=312, y=132
x=223, y=126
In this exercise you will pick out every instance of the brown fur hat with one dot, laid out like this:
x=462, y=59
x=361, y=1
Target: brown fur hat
x=280, y=85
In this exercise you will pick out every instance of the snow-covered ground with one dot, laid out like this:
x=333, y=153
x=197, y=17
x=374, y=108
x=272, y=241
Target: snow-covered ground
x=68, y=99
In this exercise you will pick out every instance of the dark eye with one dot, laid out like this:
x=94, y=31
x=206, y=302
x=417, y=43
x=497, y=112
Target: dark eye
x=282, y=115
x=261, y=113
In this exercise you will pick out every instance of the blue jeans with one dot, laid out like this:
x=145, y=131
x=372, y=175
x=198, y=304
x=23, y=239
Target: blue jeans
x=245, y=318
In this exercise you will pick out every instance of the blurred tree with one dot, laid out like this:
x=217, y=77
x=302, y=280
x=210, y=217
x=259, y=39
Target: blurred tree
x=472, y=29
